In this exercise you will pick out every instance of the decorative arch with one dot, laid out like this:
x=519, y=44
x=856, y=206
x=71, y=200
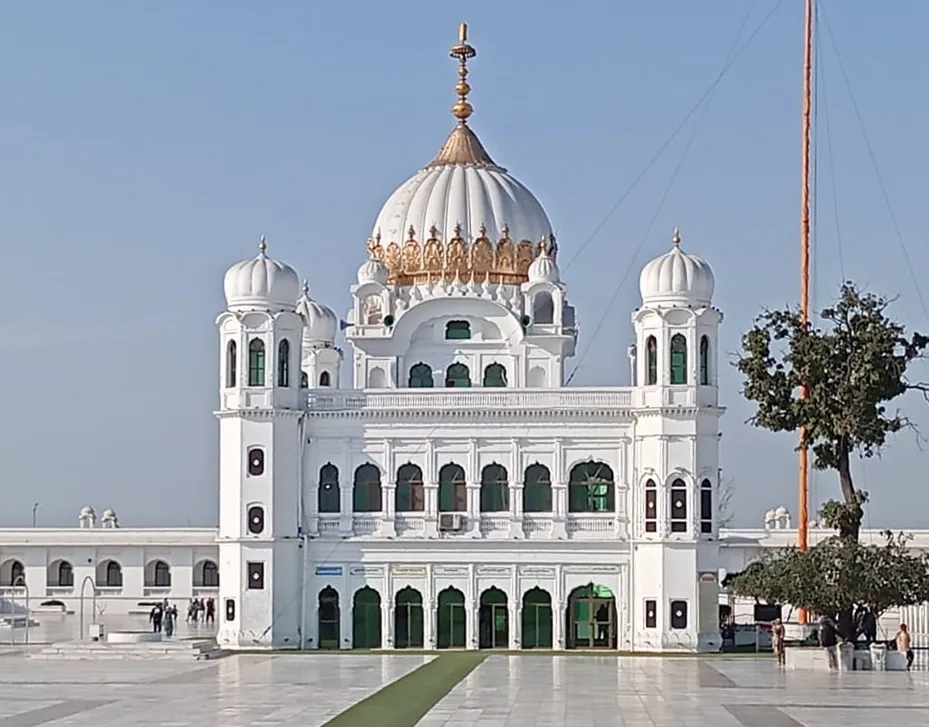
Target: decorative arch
x=206, y=574
x=377, y=378
x=408, y=619
x=328, y=619
x=325, y=380
x=366, y=489
x=537, y=489
x=421, y=376
x=451, y=619
x=457, y=375
x=591, y=618
x=495, y=375
x=706, y=507
x=704, y=360
x=543, y=308
x=591, y=488
x=231, y=364
x=283, y=363
x=536, y=619
x=327, y=492
x=537, y=378
x=651, y=361
x=457, y=331
x=410, y=494
x=651, y=506
x=678, y=359
x=678, y=505
x=60, y=574
x=453, y=494
x=109, y=574
x=435, y=310
x=366, y=619
x=495, y=489
x=256, y=362
x=493, y=620
x=157, y=574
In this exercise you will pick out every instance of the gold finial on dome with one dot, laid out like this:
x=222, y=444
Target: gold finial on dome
x=676, y=240
x=463, y=51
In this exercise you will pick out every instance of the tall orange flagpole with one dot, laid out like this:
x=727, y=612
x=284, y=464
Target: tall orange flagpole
x=803, y=515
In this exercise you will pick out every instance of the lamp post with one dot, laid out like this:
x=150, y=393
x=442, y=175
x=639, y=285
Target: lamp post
x=34, y=509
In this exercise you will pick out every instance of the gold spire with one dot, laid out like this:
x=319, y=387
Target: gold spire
x=463, y=52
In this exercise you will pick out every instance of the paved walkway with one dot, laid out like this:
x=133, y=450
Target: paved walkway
x=518, y=691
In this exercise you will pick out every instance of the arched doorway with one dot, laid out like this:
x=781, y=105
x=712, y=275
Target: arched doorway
x=493, y=620
x=327, y=621
x=451, y=619
x=366, y=619
x=408, y=619
x=591, y=618
x=537, y=619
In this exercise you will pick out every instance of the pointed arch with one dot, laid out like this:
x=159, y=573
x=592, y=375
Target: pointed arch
x=495, y=375
x=591, y=488
x=537, y=490
x=651, y=361
x=421, y=377
x=231, y=364
x=651, y=506
x=366, y=619
x=328, y=497
x=678, y=359
x=495, y=489
x=457, y=376
x=410, y=495
x=678, y=506
x=706, y=507
x=325, y=380
x=256, y=362
x=704, y=360
x=283, y=363
x=457, y=331
x=453, y=494
x=328, y=619
x=366, y=490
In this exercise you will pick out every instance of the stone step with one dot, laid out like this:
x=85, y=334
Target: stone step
x=158, y=650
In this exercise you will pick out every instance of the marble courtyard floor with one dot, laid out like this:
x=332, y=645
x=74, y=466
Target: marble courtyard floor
x=542, y=690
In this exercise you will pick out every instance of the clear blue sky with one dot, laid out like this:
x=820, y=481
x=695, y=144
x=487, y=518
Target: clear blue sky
x=145, y=146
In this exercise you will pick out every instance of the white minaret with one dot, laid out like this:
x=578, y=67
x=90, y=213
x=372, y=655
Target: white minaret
x=261, y=417
x=675, y=556
x=320, y=360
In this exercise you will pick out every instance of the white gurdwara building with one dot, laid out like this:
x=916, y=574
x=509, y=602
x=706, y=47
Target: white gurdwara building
x=458, y=494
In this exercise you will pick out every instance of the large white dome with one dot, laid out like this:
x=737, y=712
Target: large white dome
x=462, y=186
x=677, y=278
x=261, y=283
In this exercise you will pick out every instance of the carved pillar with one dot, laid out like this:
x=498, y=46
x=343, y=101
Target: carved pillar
x=388, y=509
x=558, y=624
x=515, y=612
x=473, y=615
x=431, y=497
x=516, y=510
x=387, y=625
x=559, y=492
x=474, y=509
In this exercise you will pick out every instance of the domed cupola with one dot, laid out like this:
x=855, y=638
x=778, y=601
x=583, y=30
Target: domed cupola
x=544, y=269
x=462, y=216
x=261, y=283
x=320, y=323
x=677, y=278
x=372, y=271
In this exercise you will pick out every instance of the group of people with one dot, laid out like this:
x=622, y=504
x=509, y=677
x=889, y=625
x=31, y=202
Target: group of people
x=163, y=616
x=829, y=639
x=199, y=611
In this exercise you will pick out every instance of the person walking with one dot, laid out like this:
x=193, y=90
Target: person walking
x=905, y=645
x=170, y=616
x=777, y=640
x=829, y=640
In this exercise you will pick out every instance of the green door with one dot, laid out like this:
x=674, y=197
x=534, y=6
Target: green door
x=451, y=620
x=537, y=620
x=328, y=621
x=408, y=619
x=366, y=619
x=493, y=620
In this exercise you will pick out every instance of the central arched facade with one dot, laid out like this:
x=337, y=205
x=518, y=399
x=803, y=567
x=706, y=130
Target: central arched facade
x=409, y=624
x=537, y=622
x=590, y=619
x=493, y=620
x=451, y=619
x=366, y=619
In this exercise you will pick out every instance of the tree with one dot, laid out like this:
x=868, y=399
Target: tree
x=725, y=489
x=839, y=578
x=851, y=370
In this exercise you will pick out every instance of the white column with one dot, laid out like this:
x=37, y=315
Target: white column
x=516, y=510
x=388, y=510
x=472, y=607
x=474, y=509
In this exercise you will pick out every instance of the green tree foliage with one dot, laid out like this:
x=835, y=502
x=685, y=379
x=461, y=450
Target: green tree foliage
x=851, y=368
x=840, y=578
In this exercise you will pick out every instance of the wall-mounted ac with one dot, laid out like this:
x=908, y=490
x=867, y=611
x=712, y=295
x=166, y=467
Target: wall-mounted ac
x=451, y=522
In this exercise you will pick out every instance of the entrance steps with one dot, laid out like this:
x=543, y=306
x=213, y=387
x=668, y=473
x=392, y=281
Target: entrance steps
x=92, y=650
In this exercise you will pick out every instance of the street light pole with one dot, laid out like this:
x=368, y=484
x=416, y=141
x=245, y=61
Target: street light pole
x=34, y=508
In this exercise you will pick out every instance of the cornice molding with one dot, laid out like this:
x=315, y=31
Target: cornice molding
x=259, y=414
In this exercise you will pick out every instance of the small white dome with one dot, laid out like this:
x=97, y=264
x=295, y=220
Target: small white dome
x=781, y=512
x=544, y=269
x=261, y=283
x=109, y=514
x=320, y=323
x=87, y=511
x=372, y=271
x=770, y=515
x=677, y=278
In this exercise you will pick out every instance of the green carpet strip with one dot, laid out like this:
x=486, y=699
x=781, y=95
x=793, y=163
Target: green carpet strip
x=406, y=701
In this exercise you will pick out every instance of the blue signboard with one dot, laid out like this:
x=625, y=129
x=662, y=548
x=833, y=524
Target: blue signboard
x=328, y=570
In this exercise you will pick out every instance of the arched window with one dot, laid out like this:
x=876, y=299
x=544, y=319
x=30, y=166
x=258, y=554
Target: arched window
x=457, y=331
x=162, y=575
x=283, y=363
x=421, y=377
x=543, y=309
x=453, y=495
x=324, y=379
x=17, y=574
x=410, y=496
x=231, y=367
x=495, y=375
x=114, y=575
x=495, y=489
x=678, y=359
x=678, y=506
x=304, y=380
x=704, y=361
x=537, y=491
x=328, y=491
x=591, y=488
x=651, y=507
x=366, y=492
x=706, y=507
x=256, y=363
x=457, y=375
x=65, y=575
x=210, y=574
x=651, y=361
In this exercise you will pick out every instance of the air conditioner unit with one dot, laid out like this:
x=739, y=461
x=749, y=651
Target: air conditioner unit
x=451, y=522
